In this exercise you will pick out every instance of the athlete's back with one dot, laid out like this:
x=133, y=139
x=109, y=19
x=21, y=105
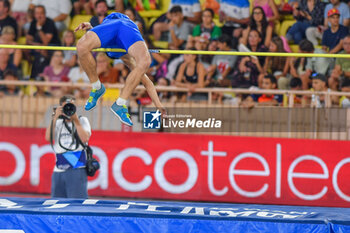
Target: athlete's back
x=116, y=15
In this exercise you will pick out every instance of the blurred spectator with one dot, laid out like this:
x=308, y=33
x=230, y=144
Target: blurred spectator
x=258, y=21
x=307, y=13
x=332, y=40
x=164, y=96
x=19, y=11
x=270, y=10
x=276, y=65
x=191, y=75
x=41, y=91
x=9, y=75
x=105, y=72
x=78, y=75
x=235, y=16
x=5, y=64
x=58, y=11
x=319, y=83
x=131, y=13
x=56, y=72
x=314, y=33
x=78, y=6
x=320, y=65
x=26, y=26
x=343, y=9
x=341, y=70
x=296, y=85
x=42, y=32
x=101, y=11
x=142, y=5
x=8, y=37
x=207, y=59
x=42, y=29
x=5, y=18
x=269, y=82
x=117, y=5
x=344, y=101
x=250, y=67
x=221, y=65
x=191, y=11
x=70, y=56
x=179, y=29
x=204, y=32
x=158, y=67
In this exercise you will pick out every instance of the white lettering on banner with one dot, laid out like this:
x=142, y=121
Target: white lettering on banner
x=335, y=179
x=197, y=210
x=9, y=204
x=101, y=179
x=150, y=207
x=20, y=163
x=211, y=153
x=292, y=174
x=274, y=215
x=230, y=213
x=118, y=173
x=36, y=153
x=192, y=174
x=233, y=172
x=278, y=170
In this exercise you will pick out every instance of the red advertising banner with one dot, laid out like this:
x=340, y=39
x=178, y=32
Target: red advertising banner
x=190, y=167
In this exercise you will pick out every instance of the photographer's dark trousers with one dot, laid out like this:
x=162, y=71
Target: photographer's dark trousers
x=71, y=183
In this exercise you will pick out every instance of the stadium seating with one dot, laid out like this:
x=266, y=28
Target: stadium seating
x=78, y=19
x=285, y=25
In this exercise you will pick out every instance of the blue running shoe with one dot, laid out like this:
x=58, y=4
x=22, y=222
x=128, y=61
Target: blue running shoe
x=94, y=96
x=121, y=111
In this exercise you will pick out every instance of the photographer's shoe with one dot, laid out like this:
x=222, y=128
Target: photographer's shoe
x=121, y=111
x=94, y=96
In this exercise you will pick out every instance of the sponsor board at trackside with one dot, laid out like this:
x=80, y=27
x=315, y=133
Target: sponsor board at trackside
x=190, y=167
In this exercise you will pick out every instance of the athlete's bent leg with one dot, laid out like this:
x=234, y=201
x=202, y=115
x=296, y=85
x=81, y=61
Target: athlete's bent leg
x=85, y=45
x=142, y=58
x=151, y=90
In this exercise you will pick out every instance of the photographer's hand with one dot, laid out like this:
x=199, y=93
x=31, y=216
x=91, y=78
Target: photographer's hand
x=55, y=114
x=82, y=133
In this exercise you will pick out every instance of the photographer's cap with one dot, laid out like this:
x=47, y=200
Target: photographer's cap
x=67, y=98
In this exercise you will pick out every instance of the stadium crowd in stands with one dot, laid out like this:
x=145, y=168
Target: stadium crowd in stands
x=306, y=26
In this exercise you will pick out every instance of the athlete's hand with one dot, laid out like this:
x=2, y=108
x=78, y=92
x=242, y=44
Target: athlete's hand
x=83, y=26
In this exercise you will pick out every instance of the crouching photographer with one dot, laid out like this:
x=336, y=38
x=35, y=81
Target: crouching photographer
x=69, y=135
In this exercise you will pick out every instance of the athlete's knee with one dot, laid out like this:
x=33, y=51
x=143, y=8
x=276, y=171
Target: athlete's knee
x=82, y=47
x=144, y=63
x=86, y=44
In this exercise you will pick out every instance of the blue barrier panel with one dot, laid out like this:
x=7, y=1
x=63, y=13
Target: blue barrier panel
x=75, y=215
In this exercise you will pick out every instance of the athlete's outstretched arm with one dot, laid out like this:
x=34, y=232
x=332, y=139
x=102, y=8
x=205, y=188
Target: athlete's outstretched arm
x=83, y=26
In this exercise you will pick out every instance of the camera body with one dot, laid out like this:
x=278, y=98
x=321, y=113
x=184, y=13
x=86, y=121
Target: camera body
x=69, y=109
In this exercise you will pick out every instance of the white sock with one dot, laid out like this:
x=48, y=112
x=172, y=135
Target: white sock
x=121, y=101
x=96, y=85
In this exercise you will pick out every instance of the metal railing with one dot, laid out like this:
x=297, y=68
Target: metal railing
x=288, y=121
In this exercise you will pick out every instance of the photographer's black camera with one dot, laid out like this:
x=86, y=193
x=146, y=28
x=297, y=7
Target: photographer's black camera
x=69, y=109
